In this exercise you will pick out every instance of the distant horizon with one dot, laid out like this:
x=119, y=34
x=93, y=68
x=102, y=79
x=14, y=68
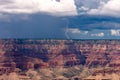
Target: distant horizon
x=50, y=39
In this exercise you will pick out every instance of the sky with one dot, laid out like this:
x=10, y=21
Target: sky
x=60, y=19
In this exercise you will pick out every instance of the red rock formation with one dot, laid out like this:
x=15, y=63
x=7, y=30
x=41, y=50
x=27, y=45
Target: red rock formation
x=27, y=54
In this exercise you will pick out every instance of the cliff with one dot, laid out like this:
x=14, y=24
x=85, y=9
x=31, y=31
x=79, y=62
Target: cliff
x=28, y=54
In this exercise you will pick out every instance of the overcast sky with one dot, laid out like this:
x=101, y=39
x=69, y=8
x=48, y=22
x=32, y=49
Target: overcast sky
x=66, y=19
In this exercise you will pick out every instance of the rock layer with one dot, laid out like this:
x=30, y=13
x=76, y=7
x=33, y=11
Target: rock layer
x=34, y=54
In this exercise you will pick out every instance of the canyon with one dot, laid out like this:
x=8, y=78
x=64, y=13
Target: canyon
x=95, y=57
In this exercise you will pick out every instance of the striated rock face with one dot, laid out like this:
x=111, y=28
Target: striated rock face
x=33, y=54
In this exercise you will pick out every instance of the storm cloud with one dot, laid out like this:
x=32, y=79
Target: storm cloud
x=59, y=19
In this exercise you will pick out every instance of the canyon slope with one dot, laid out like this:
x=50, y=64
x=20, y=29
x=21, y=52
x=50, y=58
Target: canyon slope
x=94, y=57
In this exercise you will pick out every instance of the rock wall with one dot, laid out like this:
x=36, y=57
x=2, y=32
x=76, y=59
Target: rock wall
x=31, y=53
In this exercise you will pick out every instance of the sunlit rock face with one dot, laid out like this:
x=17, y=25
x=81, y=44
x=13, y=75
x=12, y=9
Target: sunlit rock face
x=34, y=54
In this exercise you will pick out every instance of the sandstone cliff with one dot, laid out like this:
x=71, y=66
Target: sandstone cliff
x=28, y=54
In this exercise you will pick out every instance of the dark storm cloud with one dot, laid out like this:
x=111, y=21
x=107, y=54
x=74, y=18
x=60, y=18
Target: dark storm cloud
x=87, y=22
x=29, y=21
x=46, y=26
x=36, y=26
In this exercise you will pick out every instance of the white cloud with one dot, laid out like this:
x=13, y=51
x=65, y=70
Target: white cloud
x=115, y=32
x=111, y=8
x=84, y=8
x=85, y=32
x=73, y=30
x=77, y=31
x=64, y=7
x=98, y=34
